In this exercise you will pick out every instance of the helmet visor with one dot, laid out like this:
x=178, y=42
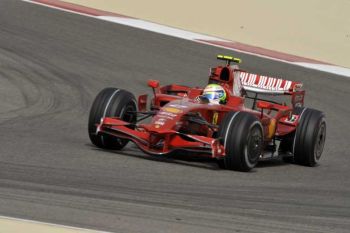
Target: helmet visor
x=214, y=95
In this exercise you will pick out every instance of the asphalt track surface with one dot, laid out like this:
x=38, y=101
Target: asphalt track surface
x=52, y=64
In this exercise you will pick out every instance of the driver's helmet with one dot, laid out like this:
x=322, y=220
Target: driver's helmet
x=215, y=94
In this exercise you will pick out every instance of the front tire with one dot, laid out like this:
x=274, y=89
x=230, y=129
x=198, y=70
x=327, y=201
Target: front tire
x=111, y=102
x=241, y=134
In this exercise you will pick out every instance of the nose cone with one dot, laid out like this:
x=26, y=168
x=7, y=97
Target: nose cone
x=167, y=118
x=169, y=115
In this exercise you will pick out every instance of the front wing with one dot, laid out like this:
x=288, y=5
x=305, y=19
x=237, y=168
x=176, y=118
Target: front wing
x=159, y=141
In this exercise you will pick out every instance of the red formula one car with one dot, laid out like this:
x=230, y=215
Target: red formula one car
x=185, y=119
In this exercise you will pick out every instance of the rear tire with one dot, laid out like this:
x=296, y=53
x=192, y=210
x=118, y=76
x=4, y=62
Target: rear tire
x=111, y=102
x=241, y=134
x=309, y=138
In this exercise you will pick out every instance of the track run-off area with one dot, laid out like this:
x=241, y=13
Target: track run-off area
x=52, y=65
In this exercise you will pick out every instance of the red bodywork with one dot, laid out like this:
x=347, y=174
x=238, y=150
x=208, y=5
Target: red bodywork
x=173, y=106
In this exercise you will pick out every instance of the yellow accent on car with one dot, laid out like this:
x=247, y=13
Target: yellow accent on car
x=215, y=118
x=272, y=128
x=172, y=110
x=229, y=58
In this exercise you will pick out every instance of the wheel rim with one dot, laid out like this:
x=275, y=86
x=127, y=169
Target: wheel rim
x=320, y=141
x=254, y=145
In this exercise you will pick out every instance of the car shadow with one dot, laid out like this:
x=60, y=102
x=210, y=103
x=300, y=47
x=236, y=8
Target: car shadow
x=272, y=163
x=183, y=158
x=180, y=159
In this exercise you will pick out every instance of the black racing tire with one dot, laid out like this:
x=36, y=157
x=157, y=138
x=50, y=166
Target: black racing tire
x=309, y=138
x=241, y=133
x=111, y=102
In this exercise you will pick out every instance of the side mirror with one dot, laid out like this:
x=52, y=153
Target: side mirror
x=142, y=103
x=153, y=83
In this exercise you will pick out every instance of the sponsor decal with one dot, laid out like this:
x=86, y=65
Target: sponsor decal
x=265, y=82
x=167, y=114
x=160, y=121
x=172, y=110
x=178, y=106
x=168, y=117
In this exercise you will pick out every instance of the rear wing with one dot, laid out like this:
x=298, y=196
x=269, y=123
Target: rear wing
x=268, y=85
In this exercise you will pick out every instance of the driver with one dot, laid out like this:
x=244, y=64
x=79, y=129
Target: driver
x=215, y=94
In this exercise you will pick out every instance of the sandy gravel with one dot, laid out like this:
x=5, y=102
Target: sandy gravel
x=317, y=29
x=10, y=225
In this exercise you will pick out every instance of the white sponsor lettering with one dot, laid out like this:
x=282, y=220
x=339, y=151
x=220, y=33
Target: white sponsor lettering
x=159, y=122
x=261, y=81
x=178, y=106
x=169, y=114
x=264, y=82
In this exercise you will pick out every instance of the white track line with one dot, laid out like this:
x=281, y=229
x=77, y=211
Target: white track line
x=326, y=68
x=158, y=28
